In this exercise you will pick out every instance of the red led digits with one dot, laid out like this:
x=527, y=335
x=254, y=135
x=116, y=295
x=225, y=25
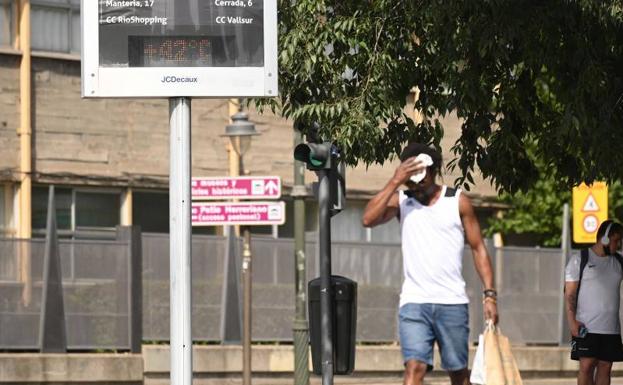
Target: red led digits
x=166, y=50
x=180, y=47
x=173, y=50
x=205, y=50
x=149, y=51
x=182, y=50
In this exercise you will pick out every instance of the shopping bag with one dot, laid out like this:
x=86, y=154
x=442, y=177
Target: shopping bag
x=478, y=375
x=511, y=371
x=493, y=361
x=499, y=363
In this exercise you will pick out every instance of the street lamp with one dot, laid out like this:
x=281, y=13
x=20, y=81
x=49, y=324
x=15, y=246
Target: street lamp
x=240, y=132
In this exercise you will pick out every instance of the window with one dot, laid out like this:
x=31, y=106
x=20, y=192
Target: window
x=4, y=211
x=7, y=20
x=62, y=201
x=76, y=209
x=97, y=209
x=55, y=25
x=150, y=210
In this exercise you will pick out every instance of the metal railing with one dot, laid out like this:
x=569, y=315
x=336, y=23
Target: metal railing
x=530, y=288
x=97, y=288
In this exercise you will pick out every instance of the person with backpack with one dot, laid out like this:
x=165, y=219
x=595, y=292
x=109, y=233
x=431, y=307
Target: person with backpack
x=592, y=284
x=435, y=221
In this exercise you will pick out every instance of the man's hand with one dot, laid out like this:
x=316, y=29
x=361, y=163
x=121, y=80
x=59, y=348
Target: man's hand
x=574, y=327
x=406, y=169
x=491, y=311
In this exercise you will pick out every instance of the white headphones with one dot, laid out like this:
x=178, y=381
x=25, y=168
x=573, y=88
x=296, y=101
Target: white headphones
x=605, y=240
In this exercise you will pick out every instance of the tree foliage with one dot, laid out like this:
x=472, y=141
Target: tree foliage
x=550, y=72
x=538, y=212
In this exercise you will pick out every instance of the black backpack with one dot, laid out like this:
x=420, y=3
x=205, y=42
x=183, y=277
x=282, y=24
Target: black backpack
x=584, y=262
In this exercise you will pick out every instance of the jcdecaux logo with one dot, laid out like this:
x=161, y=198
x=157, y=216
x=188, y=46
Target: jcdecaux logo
x=178, y=79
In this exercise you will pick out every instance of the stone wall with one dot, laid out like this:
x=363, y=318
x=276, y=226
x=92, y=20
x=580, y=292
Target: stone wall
x=9, y=115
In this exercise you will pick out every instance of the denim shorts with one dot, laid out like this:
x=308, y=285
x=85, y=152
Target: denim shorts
x=422, y=324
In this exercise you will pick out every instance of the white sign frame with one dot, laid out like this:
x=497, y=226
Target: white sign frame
x=265, y=222
x=235, y=179
x=145, y=82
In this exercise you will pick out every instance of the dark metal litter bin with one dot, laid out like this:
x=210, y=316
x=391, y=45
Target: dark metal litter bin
x=344, y=324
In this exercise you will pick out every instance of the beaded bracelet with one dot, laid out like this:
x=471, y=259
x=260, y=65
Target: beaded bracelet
x=490, y=299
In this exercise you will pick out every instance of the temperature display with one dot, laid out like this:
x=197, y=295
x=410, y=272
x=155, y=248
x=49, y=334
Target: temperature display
x=180, y=51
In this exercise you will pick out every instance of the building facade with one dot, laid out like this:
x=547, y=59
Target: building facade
x=109, y=159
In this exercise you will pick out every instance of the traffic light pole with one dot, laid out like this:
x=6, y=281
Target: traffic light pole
x=326, y=295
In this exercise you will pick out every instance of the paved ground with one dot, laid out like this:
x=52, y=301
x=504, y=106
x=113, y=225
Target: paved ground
x=442, y=381
x=363, y=381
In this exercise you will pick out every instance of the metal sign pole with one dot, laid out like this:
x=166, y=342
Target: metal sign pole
x=180, y=243
x=564, y=250
x=326, y=295
x=247, y=271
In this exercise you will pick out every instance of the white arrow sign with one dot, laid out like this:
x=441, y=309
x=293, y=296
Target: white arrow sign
x=271, y=187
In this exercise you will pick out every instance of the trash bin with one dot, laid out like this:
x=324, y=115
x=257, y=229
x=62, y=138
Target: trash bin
x=344, y=324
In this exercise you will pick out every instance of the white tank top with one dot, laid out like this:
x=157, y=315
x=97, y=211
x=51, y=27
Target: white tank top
x=432, y=250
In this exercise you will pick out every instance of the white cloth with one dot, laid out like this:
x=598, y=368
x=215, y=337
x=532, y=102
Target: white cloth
x=432, y=251
x=598, y=302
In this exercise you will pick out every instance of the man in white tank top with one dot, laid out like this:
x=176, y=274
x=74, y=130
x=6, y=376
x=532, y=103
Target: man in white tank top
x=435, y=222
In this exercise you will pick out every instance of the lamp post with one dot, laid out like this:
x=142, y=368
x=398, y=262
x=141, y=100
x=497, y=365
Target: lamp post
x=240, y=132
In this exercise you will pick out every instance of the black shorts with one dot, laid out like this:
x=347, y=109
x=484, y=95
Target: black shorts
x=604, y=347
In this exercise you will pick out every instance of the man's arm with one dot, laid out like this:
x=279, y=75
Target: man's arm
x=571, y=288
x=482, y=262
x=384, y=205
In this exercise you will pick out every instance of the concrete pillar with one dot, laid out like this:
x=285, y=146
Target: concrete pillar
x=126, y=207
x=25, y=134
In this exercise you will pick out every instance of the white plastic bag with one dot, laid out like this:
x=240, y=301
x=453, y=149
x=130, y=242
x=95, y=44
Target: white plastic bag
x=479, y=371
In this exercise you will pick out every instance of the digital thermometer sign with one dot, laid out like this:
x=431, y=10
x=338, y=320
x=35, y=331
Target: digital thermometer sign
x=176, y=51
x=227, y=47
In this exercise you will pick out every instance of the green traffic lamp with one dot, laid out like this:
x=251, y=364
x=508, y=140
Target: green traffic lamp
x=317, y=156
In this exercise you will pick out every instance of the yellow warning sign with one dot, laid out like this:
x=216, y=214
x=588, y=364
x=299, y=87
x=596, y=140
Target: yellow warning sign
x=590, y=208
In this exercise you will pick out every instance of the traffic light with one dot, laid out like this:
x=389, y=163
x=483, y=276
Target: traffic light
x=326, y=156
x=317, y=156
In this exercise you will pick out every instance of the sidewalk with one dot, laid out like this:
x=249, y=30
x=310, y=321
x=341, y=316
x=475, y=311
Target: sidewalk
x=341, y=380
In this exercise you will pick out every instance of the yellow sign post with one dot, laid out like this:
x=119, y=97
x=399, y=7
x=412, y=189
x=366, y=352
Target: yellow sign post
x=590, y=209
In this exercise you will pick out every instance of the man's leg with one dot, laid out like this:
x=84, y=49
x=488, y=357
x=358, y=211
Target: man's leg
x=415, y=372
x=416, y=341
x=459, y=377
x=587, y=371
x=602, y=373
x=451, y=327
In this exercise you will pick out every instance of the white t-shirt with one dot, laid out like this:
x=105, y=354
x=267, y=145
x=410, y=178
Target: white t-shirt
x=432, y=251
x=598, y=302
